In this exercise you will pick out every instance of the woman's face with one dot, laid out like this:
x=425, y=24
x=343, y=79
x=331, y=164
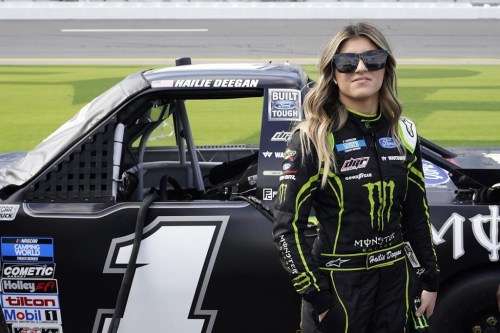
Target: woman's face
x=359, y=89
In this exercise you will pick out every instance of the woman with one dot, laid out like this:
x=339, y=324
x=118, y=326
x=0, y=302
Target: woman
x=355, y=165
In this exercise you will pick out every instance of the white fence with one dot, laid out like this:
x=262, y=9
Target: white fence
x=248, y=10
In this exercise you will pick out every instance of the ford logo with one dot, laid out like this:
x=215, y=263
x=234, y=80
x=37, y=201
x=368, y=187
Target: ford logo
x=388, y=142
x=434, y=175
x=284, y=105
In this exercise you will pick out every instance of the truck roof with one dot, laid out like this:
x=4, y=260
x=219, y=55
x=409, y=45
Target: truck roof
x=229, y=75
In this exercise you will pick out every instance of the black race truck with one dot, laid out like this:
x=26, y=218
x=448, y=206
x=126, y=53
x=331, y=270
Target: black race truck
x=139, y=215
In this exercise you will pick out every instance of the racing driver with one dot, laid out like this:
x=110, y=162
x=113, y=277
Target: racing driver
x=353, y=170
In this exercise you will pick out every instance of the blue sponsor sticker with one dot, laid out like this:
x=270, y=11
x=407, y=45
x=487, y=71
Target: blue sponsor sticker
x=350, y=145
x=388, y=142
x=27, y=249
x=434, y=175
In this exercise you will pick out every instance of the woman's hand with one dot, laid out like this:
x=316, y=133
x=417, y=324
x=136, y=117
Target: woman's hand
x=322, y=315
x=427, y=303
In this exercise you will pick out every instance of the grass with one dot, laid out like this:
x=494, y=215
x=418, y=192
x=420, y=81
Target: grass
x=451, y=105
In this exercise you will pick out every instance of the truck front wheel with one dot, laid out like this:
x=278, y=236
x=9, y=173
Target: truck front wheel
x=468, y=305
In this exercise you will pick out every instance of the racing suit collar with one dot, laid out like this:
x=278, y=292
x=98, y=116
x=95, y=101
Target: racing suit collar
x=364, y=116
x=365, y=121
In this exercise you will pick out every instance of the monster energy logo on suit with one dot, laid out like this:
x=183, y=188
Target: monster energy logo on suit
x=282, y=192
x=381, y=196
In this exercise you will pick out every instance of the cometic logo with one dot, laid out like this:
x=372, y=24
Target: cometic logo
x=28, y=271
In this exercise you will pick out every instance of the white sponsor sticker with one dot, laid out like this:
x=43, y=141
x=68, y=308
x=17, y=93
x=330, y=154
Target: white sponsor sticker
x=8, y=212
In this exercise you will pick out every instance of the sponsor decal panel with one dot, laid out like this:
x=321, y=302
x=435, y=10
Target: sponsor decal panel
x=388, y=142
x=28, y=271
x=434, y=175
x=276, y=154
x=36, y=328
x=29, y=286
x=271, y=173
x=28, y=315
x=25, y=249
x=355, y=164
x=351, y=145
x=268, y=194
x=30, y=301
x=400, y=158
x=284, y=105
x=281, y=136
x=8, y=212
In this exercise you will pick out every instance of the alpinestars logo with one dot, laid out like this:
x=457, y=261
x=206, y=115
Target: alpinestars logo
x=336, y=263
x=409, y=127
x=381, y=197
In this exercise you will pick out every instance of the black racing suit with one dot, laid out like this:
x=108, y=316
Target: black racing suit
x=356, y=267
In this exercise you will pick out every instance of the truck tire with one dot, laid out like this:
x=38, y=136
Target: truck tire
x=468, y=305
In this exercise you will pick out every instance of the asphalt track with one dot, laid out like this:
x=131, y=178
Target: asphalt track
x=161, y=41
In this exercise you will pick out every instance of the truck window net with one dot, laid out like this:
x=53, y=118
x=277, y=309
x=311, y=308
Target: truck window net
x=85, y=176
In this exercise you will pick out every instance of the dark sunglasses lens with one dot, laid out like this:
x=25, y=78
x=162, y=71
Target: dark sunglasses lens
x=346, y=62
x=374, y=60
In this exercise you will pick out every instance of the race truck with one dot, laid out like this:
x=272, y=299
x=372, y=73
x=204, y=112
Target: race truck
x=151, y=211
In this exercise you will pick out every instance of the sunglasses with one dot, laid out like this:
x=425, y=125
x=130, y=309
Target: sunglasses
x=374, y=60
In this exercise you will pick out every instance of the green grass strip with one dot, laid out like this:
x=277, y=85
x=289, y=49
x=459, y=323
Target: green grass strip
x=452, y=105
